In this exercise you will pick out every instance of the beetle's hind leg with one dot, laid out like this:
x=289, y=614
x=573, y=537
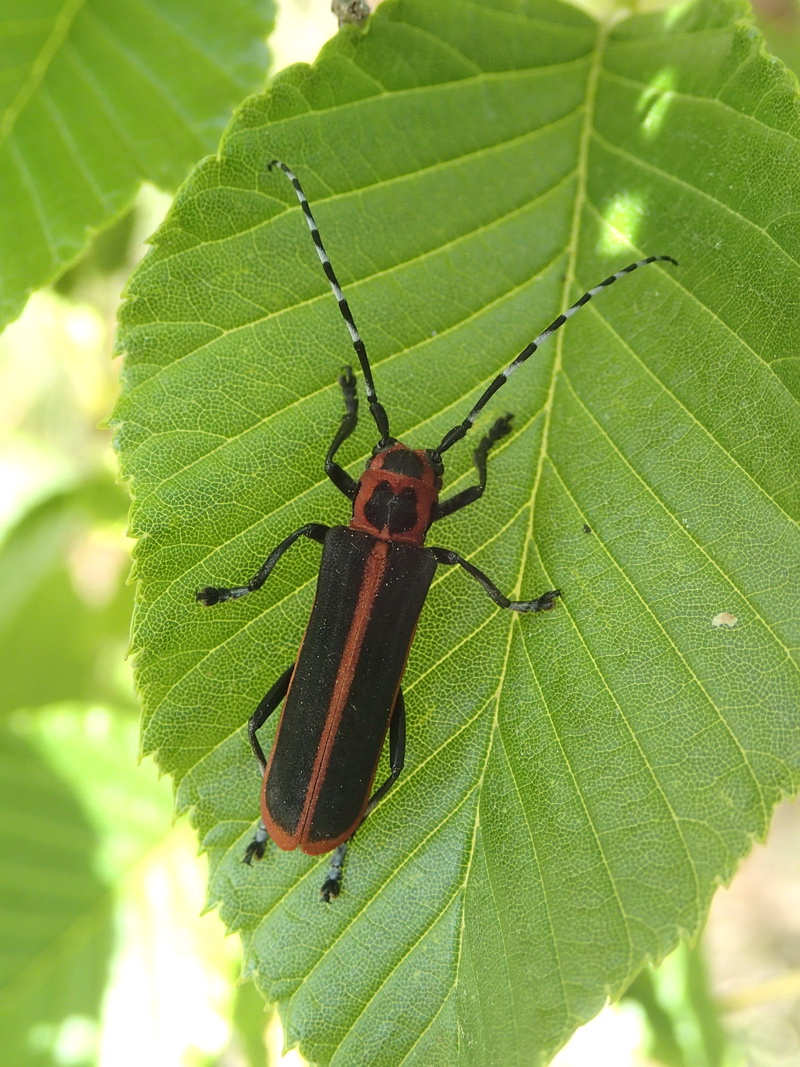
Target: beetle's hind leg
x=273, y=698
x=332, y=885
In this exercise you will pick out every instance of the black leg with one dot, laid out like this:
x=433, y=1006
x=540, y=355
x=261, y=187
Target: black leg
x=209, y=594
x=257, y=846
x=263, y=712
x=467, y=496
x=270, y=702
x=397, y=755
x=340, y=478
x=543, y=603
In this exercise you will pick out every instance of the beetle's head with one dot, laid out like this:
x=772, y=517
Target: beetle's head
x=397, y=494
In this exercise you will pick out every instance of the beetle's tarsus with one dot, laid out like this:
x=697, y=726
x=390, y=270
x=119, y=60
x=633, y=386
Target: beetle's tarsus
x=332, y=885
x=347, y=380
x=543, y=603
x=256, y=848
x=331, y=888
x=499, y=428
x=546, y=602
x=209, y=595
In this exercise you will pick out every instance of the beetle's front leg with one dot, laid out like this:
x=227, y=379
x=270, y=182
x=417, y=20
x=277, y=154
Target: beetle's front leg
x=337, y=474
x=543, y=603
x=210, y=594
x=498, y=430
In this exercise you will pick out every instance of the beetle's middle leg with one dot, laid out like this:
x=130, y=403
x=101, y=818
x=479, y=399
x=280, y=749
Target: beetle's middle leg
x=542, y=603
x=270, y=702
x=397, y=755
x=210, y=594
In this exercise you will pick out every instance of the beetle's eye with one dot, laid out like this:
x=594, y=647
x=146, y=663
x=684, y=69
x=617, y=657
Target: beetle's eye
x=384, y=447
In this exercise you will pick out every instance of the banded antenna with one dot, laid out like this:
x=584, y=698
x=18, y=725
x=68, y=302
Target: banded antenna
x=454, y=435
x=376, y=408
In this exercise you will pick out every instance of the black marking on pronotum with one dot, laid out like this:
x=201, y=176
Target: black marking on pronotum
x=342, y=695
x=389, y=510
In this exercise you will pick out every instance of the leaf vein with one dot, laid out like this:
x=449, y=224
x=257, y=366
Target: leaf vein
x=59, y=30
x=638, y=161
x=649, y=609
x=682, y=529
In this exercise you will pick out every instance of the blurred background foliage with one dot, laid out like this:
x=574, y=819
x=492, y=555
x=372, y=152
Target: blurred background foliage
x=115, y=963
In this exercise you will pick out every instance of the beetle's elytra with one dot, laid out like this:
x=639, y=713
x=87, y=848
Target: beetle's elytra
x=343, y=694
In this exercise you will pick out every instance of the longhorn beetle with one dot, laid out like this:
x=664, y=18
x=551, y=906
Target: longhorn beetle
x=343, y=693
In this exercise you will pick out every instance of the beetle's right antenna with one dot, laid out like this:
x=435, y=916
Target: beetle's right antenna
x=375, y=406
x=459, y=431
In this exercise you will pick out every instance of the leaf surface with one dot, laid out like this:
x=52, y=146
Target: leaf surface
x=59, y=931
x=56, y=645
x=577, y=784
x=77, y=818
x=98, y=96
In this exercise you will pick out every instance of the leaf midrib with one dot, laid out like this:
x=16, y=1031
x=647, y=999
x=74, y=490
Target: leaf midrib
x=604, y=28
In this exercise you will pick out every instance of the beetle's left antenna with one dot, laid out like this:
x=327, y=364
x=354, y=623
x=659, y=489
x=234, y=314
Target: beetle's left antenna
x=375, y=406
x=463, y=428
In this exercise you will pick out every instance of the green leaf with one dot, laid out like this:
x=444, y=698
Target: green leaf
x=56, y=910
x=249, y=1024
x=578, y=784
x=57, y=641
x=78, y=821
x=98, y=96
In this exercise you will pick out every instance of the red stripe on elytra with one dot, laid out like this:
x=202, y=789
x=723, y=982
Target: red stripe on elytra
x=374, y=571
x=377, y=562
